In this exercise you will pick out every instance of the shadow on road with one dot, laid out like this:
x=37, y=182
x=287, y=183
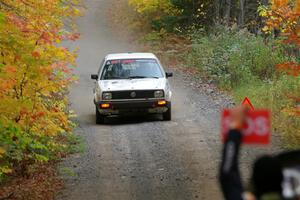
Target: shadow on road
x=136, y=119
x=116, y=120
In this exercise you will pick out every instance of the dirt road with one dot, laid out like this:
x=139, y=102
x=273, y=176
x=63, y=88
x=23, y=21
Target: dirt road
x=140, y=158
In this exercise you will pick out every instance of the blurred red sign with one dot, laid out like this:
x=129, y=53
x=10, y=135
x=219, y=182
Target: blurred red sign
x=257, y=129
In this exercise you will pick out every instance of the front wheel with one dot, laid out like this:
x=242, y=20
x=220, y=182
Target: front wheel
x=99, y=117
x=167, y=116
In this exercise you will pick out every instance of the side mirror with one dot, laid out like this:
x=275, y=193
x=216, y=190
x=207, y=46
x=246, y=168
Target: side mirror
x=169, y=74
x=94, y=76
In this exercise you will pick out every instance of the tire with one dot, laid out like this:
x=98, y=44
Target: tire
x=167, y=116
x=99, y=118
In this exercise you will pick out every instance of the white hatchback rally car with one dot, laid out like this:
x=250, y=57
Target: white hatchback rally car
x=131, y=83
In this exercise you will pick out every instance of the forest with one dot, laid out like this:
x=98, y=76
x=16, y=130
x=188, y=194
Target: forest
x=247, y=48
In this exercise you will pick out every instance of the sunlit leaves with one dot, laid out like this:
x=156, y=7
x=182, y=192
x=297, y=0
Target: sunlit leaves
x=279, y=3
x=35, y=70
x=283, y=16
x=152, y=6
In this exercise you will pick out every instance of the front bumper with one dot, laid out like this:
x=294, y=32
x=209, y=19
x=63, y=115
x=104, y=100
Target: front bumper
x=133, y=107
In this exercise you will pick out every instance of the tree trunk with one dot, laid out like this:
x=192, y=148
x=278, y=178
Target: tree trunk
x=217, y=8
x=227, y=11
x=242, y=13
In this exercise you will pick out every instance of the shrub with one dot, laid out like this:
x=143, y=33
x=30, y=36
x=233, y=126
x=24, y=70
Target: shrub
x=245, y=65
x=20, y=149
x=233, y=57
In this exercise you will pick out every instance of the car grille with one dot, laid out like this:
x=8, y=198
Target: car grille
x=129, y=94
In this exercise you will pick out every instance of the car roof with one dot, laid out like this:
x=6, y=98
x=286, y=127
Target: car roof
x=116, y=56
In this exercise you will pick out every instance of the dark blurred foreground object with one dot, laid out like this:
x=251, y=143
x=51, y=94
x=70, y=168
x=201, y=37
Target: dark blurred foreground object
x=230, y=178
x=273, y=177
x=267, y=177
x=290, y=162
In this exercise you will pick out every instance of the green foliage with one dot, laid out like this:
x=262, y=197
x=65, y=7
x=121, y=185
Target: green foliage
x=153, y=7
x=179, y=15
x=2, y=18
x=233, y=57
x=20, y=149
x=19, y=146
x=273, y=95
x=244, y=64
x=166, y=22
x=65, y=171
x=74, y=144
x=194, y=12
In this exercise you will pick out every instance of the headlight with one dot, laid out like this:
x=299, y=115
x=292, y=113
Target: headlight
x=106, y=95
x=159, y=94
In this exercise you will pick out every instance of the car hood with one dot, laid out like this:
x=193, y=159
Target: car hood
x=132, y=84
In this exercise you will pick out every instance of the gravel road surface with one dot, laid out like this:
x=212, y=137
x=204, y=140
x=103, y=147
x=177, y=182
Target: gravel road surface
x=141, y=158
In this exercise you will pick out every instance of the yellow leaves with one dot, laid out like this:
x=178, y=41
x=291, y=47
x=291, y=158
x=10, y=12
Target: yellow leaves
x=263, y=13
x=266, y=29
x=283, y=16
x=152, y=6
x=58, y=41
x=298, y=33
x=5, y=170
x=2, y=151
x=30, y=87
x=61, y=54
x=77, y=12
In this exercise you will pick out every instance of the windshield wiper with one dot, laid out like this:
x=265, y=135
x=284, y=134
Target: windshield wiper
x=133, y=77
x=153, y=77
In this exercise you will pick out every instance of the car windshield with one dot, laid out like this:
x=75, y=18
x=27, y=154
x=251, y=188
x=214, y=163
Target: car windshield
x=131, y=69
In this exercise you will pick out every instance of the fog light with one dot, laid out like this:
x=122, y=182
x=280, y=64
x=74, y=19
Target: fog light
x=161, y=103
x=105, y=105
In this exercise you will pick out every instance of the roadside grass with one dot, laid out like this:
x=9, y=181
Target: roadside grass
x=75, y=144
x=244, y=65
x=273, y=95
x=238, y=62
x=66, y=171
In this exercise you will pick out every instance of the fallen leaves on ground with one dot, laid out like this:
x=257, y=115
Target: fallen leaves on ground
x=42, y=183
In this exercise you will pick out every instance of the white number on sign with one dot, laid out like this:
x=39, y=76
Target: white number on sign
x=258, y=125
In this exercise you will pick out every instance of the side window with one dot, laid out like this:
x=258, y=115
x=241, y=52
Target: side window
x=101, y=65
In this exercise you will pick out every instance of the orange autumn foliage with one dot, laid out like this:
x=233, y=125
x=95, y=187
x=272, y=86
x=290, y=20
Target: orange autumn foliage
x=284, y=16
x=35, y=74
